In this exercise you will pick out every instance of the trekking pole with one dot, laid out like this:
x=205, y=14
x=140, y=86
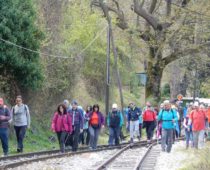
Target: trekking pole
x=66, y=139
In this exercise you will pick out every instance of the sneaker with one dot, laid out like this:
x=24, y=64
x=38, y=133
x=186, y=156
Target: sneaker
x=5, y=154
x=18, y=150
x=131, y=141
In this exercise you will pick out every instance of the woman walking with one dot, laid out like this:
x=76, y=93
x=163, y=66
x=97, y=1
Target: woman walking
x=96, y=121
x=62, y=125
x=21, y=120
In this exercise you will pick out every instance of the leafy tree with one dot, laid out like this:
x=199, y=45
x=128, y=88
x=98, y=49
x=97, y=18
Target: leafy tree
x=20, y=67
x=165, y=28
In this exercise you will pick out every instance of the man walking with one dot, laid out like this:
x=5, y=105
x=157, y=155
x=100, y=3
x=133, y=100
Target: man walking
x=197, y=117
x=4, y=126
x=133, y=120
x=168, y=117
x=114, y=122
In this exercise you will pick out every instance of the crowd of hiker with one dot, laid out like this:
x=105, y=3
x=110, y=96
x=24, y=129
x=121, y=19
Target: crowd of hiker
x=76, y=126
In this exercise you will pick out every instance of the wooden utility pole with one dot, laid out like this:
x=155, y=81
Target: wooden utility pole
x=107, y=71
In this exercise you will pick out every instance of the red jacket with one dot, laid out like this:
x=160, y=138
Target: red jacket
x=61, y=123
x=149, y=115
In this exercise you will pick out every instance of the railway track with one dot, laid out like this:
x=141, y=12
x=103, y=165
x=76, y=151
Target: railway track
x=143, y=157
x=18, y=160
x=127, y=158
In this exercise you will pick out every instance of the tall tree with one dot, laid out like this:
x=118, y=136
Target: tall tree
x=19, y=67
x=163, y=30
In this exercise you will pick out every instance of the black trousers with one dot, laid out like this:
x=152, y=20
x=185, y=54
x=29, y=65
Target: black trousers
x=150, y=126
x=61, y=139
x=20, y=132
x=74, y=137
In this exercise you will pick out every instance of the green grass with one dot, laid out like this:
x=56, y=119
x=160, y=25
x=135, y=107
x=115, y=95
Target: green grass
x=200, y=159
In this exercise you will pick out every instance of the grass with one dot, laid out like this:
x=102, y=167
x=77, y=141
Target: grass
x=200, y=159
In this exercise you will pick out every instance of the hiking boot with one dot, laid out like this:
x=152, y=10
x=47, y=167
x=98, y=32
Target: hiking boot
x=18, y=150
x=131, y=141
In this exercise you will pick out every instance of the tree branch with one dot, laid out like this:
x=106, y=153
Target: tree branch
x=179, y=54
x=148, y=17
x=152, y=6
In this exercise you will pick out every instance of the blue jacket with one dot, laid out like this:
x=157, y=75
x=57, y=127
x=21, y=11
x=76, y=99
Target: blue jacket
x=119, y=114
x=133, y=114
x=166, y=117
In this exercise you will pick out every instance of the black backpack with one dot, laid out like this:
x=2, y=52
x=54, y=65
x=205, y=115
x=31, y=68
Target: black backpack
x=114, y=119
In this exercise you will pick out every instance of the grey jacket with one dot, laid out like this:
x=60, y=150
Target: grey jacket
x=20, y=115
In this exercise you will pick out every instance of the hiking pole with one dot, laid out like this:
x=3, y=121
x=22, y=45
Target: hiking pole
x=66, y=139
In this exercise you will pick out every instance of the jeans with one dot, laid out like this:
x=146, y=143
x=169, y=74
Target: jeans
x=149, y=129
x=189, y=137
x=94, y=133
x=61, y=138
x=114, y=134
x=74, y=138
x=198, y=138
x=134, y=128
x=167, y=139
x=20, y=135
x=4, y=139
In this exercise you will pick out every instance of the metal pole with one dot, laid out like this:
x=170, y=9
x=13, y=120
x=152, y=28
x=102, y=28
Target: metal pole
x=107, y=71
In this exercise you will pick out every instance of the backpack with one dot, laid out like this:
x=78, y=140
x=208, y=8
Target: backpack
x=114, y=119
x=172, y=111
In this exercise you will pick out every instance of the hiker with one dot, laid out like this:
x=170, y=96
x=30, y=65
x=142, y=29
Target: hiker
x=96, y=121
x=176, y=123
x=86, y=125
x=168, y=118
x=4, y=126
x=61, y=125
x=21, y=121
x=67, y=104
x=188, y=131
x=208, y=115
x=114, y=122
x=149, y=120
x=159, y=124
x=197, y=118
x=81, y=135
x=140, y=125
x=77, y=124
x=133, y=121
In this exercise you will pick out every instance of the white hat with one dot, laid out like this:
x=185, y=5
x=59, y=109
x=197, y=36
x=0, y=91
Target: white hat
x=114, y=106
x=166, y=102
x=196, y=104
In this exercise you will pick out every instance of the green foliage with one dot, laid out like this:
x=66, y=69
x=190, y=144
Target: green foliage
x=81, y=26
x=17, y=24
x=166, y=90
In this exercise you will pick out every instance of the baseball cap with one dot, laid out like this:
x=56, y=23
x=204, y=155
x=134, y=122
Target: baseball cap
x=114, y=106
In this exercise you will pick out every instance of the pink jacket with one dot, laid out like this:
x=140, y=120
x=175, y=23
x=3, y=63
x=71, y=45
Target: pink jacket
x=61, y=123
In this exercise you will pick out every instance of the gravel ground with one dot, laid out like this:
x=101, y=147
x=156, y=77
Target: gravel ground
x=77, y=162
x=175, y=160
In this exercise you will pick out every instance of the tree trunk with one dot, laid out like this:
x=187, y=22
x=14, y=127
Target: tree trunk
x=154, y=76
